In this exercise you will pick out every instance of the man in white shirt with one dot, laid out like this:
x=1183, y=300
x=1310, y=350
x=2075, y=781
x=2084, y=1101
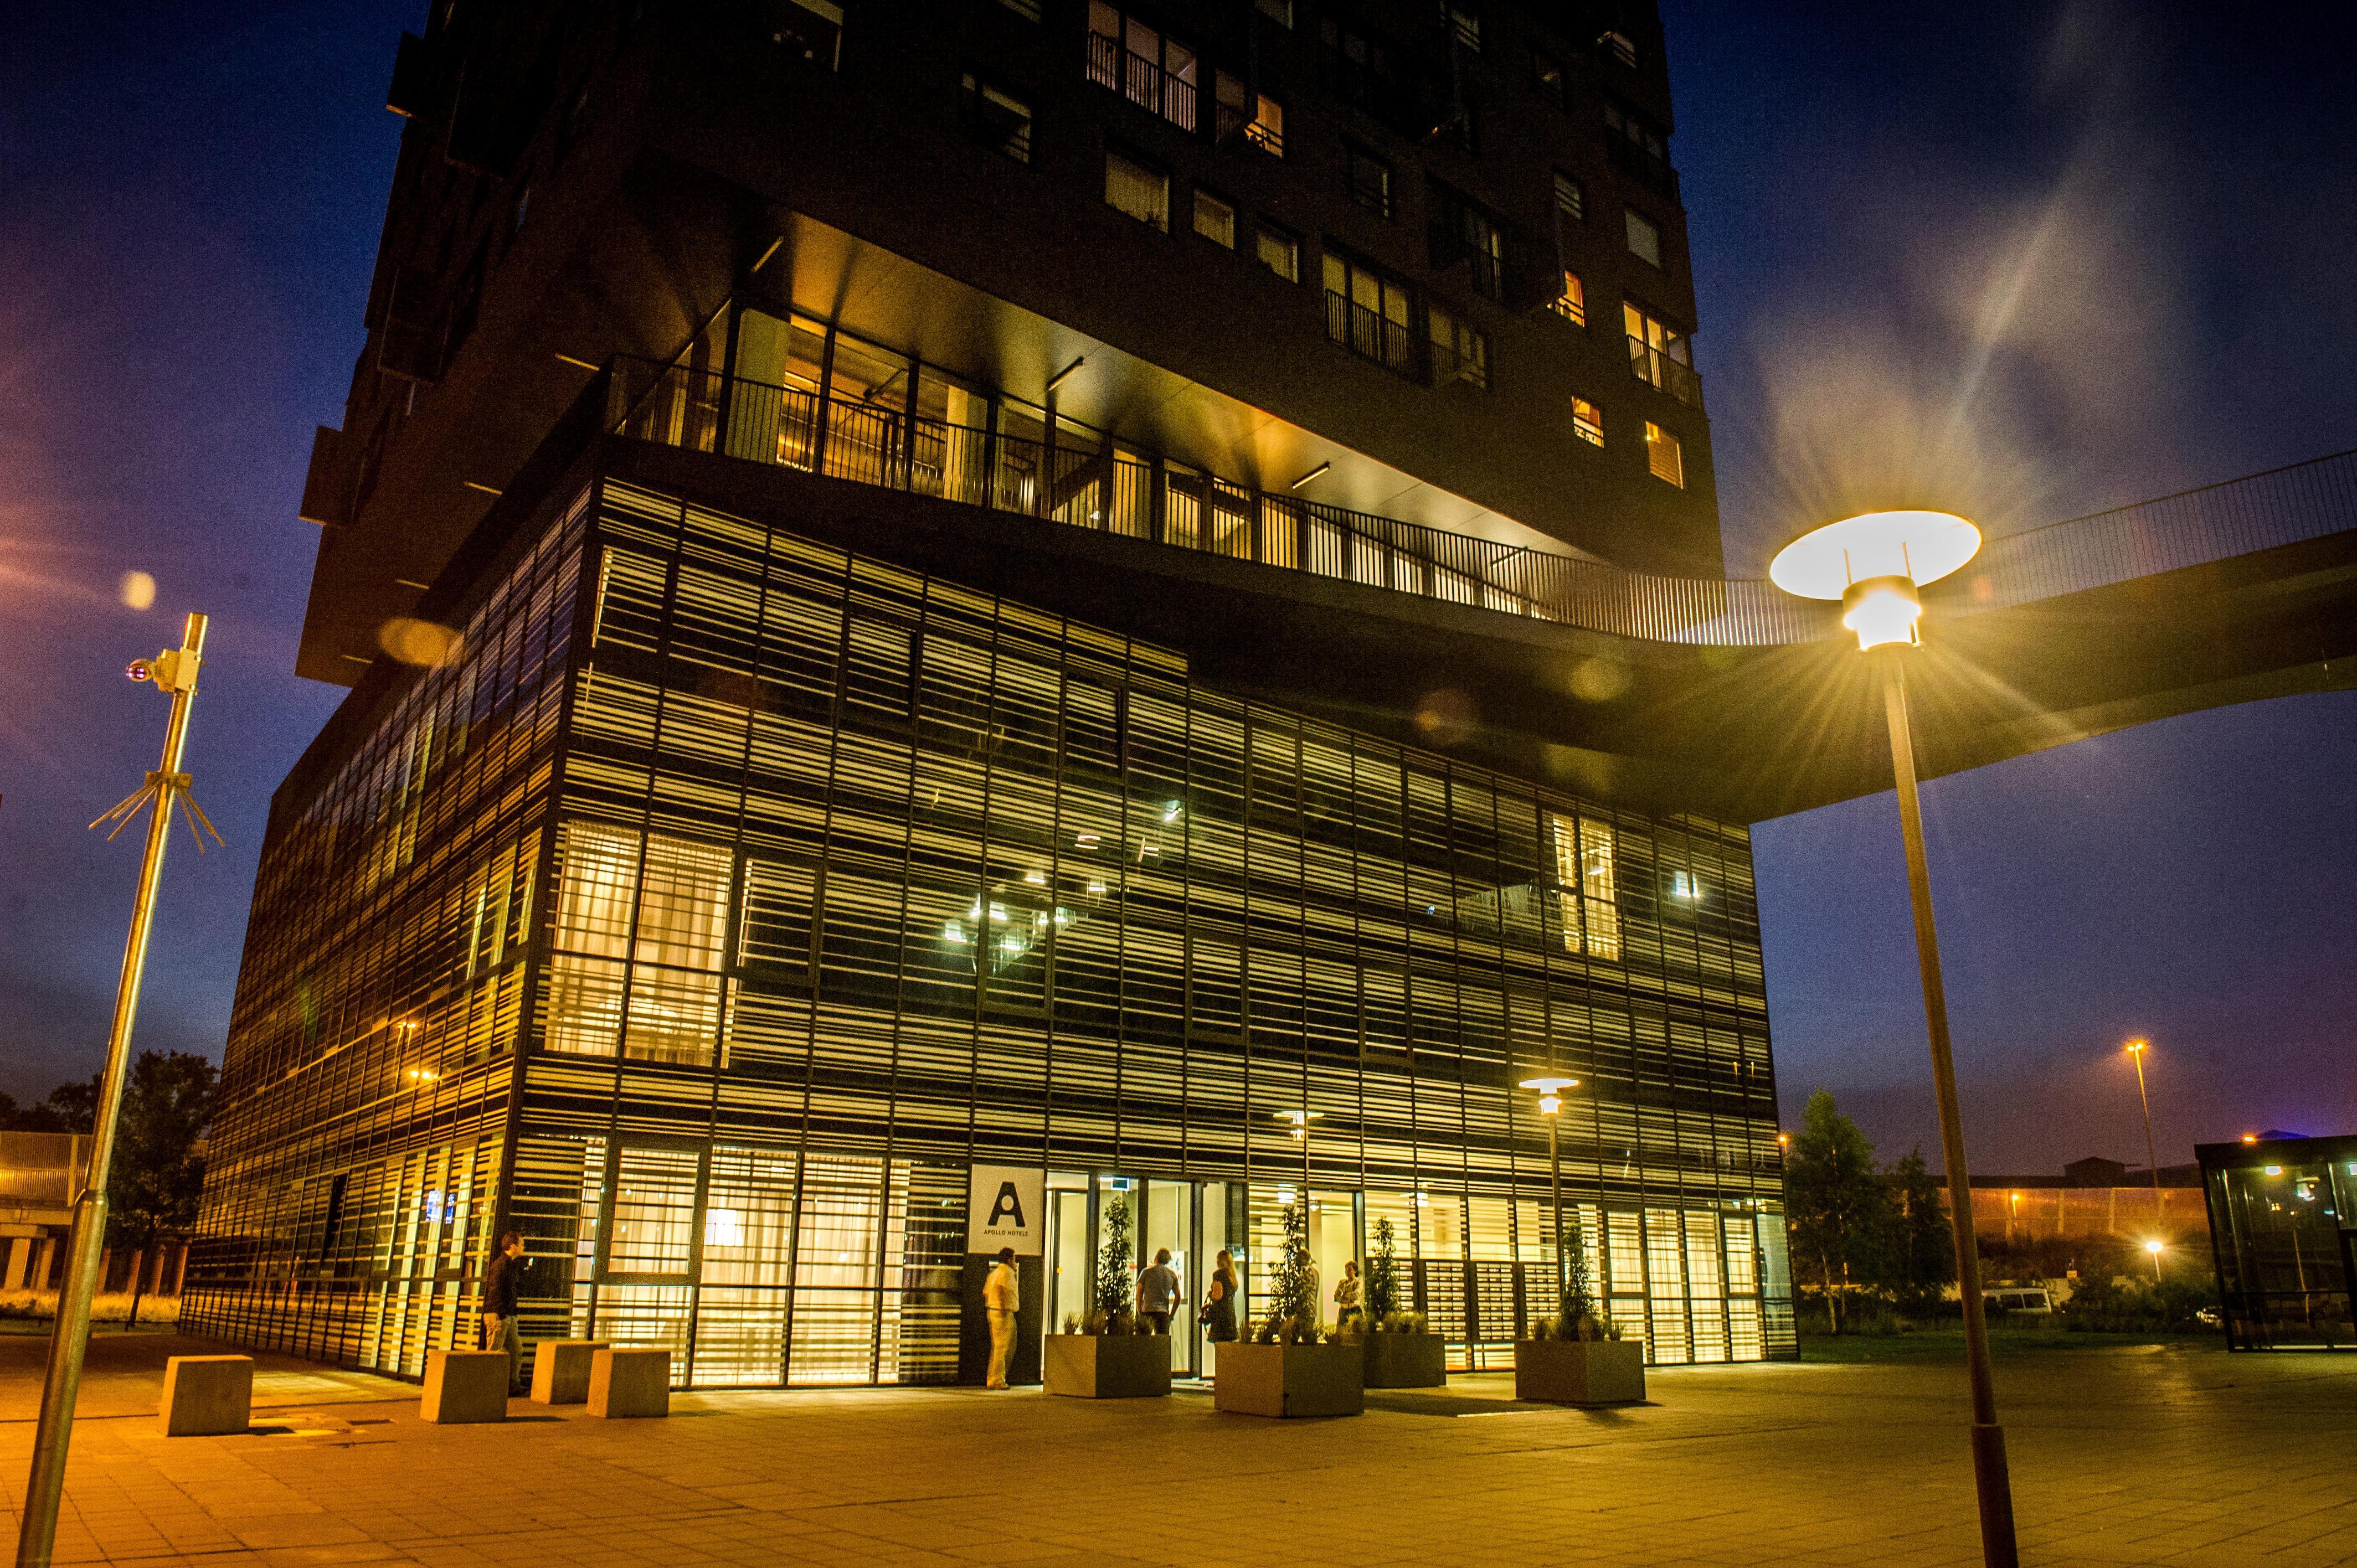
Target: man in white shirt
x=1158, y=1292
x=1002, y=1299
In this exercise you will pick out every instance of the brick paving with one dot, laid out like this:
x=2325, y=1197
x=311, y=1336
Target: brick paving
x=2143, y=1457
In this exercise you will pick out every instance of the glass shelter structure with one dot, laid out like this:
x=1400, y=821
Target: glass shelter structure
x=2280, y=1220
x=724, y=897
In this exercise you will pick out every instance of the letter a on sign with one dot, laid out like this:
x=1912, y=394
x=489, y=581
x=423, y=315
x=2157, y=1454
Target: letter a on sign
x=1006, y=1206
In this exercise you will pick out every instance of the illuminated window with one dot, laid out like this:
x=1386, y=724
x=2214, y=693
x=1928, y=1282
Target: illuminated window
x=1665, y=455
x=999, y=121
x=1587, y=420
x=1215, y=220
x=1141, y=192
x=1255, y=117
x=1280, y=253
x=642, y=924
x=1153, y=70
x=1370, y=314
x=1658, y=354
x=1585, y=897
x=1572, y=303
x=1644, y=238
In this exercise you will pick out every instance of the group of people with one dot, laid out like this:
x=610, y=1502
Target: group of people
x=1157, y=1297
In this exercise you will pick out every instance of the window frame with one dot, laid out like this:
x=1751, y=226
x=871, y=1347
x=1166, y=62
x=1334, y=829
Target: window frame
x=1633, y=220
x=1266, y=233
x=976, y=89
x=1590, y=428
x=1353, y=157
x=1202, y=194
x=1657, y=439
x=1114, y=153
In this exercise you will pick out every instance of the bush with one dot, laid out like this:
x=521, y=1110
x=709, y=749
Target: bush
x=43, y=1305
x=2102, y=1306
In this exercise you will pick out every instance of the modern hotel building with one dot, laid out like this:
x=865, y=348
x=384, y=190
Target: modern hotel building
x=1006, y=585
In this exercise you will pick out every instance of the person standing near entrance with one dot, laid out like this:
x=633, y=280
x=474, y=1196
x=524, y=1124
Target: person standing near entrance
x=1002, y=1298
x=1158, y=1292
x=499, y=1327
x=1346, y=1295
x=1220, y=1305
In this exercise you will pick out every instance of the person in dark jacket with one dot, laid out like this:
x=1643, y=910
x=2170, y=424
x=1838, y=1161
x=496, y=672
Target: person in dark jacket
x=499, y=1331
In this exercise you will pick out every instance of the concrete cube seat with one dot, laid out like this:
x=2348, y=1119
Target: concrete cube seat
x=630, y=1382
x=464, y=1386
x=206, y=1396
x=560, y=1368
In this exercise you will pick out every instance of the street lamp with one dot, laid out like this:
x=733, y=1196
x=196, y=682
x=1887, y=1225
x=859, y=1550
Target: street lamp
x=1550, y=1091
x=1873, y=564
x=2155, y=1247
x=2136, y=1050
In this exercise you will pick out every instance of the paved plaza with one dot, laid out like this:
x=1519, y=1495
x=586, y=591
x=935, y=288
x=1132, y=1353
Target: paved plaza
x=2137, y=1456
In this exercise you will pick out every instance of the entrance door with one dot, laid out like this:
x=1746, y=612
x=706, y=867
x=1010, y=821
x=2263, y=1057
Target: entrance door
x=1068, y=1258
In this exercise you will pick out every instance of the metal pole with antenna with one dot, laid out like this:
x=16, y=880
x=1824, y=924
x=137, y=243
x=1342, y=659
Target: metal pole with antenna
x=174, y=673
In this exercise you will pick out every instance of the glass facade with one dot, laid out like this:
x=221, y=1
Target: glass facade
x=829, y=880
x=2280, y=1220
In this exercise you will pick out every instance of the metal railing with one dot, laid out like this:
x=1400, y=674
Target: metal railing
x=1370, y=333
x=2211, y=523
x=1099, y=489
x=1142, y=80
x=1656, y=368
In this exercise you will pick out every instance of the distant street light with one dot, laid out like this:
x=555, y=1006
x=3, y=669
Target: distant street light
x=2136, y=1050
x=2155, y=1247
x=1873, y=564
x=1550, y=1091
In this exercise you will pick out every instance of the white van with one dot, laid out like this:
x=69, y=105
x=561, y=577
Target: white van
x=2031, y=1301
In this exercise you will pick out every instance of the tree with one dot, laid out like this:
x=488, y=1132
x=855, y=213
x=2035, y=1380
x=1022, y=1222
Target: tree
x=70, y=1108
x=1114, y=1286
x=152, y=1188
x=1293, y=1303
x=1383, y=1275
x=1922, y=1257
x=1839, y=1207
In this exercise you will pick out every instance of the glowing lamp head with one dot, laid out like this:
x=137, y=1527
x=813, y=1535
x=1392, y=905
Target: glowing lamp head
x=2250, y=1137
x=1873, y=564
x=2139, y=1048
x=2155, y=1248
x=1550, y=1091
x=1881, y=610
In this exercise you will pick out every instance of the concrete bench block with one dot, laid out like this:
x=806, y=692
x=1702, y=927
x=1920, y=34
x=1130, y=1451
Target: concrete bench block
x=629, y=1382
x=465, y=1386
x=205, y=1396
x=560, y=1370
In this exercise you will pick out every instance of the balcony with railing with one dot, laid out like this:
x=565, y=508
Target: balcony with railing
x=1102, y=490
x=1658, y=368
x=1371, y=335
x=1155, y=83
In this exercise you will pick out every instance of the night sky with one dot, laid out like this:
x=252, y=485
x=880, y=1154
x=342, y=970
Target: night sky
x=2116, y=241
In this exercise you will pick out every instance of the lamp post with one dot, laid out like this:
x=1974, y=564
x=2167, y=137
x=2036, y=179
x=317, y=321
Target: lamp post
x=1550, y=1091
x=174, y=672
x=1873, y=564
x=2155, y=1247
x=2136, y=1050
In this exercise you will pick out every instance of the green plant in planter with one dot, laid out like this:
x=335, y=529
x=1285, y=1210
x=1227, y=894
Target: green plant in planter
x=1292, y=1308
x=1578, y=1319
x=1114, y=1288
x=1072, y=1322
x=1399, y=1322
x=1383, y=1275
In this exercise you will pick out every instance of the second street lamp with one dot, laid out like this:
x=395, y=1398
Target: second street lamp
x=1873, y=564
x=1550, y=1093
x=2136, y=1050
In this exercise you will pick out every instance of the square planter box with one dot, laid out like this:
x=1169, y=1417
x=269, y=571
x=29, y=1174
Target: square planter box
x=1291, y=1380
x=1406, y=1360
x=1108, y=1366
x=1579, y=1372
